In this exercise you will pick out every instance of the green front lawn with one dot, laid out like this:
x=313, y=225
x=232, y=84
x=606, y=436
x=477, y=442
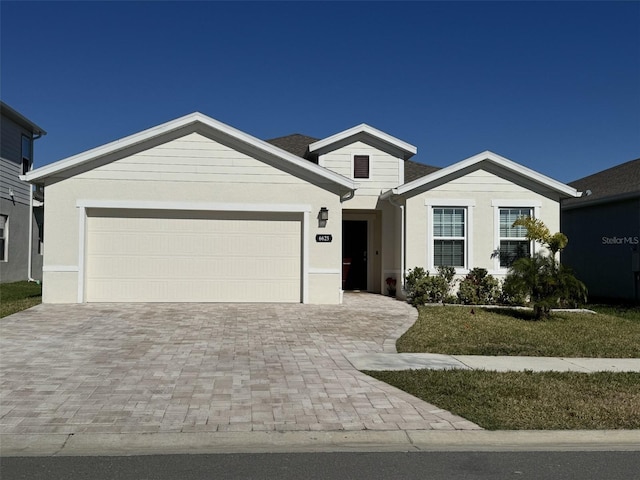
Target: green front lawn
x=527, y=400
x=476, y=331
x=18, y=296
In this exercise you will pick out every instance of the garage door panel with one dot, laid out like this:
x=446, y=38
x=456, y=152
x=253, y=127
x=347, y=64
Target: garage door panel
x=136, y=256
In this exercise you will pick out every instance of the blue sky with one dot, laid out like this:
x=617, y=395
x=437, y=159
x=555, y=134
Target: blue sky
x=554, y=86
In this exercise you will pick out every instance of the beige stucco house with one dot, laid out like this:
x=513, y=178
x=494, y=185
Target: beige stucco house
x=196, y=211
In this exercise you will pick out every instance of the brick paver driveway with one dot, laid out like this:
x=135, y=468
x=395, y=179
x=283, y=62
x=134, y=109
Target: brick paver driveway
x=141, y=368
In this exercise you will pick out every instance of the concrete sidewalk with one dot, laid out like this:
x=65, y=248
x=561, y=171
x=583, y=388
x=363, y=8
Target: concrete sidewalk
x=434, y=361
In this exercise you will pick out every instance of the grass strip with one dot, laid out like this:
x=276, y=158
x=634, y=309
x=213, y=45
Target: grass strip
x=18, y=296
x=476, y=331
x=527, y=400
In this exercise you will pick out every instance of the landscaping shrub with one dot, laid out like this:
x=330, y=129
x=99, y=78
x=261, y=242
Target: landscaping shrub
x=544, y=280
x=547, y=283
x=422, y=288
x=512, y=293
x=479, y=288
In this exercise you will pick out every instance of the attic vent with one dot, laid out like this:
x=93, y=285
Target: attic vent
x=361, y=166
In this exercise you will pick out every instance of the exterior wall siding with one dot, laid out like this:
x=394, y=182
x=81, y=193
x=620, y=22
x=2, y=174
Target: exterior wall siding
x=384, y=172
x=193, y=158
x=482, y=189
x=9, y=180
x=15, y=267
x=17, y=206
x=11, y=146
x=201, y=170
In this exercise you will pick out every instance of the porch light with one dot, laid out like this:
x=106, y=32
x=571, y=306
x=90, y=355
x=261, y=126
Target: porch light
x=324, y=214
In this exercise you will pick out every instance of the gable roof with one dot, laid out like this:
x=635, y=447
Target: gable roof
x=615, y=183
x=486, y=156
x=195, y=119
x=296, y=143
x=365, y=130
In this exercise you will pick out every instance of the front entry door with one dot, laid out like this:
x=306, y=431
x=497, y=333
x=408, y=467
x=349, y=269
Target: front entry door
x=354, y=255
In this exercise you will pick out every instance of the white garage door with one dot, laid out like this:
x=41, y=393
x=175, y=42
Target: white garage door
x=153, y=256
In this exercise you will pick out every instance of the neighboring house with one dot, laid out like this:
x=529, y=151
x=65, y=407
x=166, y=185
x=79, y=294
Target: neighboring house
x=196, y=211
x=603, y=227
x=21, y=209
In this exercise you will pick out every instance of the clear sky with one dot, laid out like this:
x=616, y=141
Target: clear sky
x=554, y=86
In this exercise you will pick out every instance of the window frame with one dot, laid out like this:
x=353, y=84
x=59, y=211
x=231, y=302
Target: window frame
x=453, y=239
x=353, y=166
x=26, y=156
x=468, y=206
x=534, y=207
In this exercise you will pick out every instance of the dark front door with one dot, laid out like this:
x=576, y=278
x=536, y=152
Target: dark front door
x=354, y=255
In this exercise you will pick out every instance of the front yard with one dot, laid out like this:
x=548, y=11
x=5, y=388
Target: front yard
x=476, y=331
x=18, y=296
x=526, y=400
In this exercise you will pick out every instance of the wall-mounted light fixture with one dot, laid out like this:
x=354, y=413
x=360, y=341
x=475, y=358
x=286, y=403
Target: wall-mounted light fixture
x=324, y=214
x=11, y=192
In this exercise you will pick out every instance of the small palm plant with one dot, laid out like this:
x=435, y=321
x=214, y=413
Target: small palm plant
x=542, y=278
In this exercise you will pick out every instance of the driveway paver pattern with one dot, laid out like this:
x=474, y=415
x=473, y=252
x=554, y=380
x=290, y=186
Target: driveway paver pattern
x=145, y=368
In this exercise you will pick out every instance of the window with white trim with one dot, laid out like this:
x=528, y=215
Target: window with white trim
x=27, y=154
x=4, y=220
x=361, y=166
x=513, y=242
x=449, y=236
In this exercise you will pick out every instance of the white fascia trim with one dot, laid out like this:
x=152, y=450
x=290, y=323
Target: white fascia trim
x=364, y=128
x=111, y=147
x=493, y=158
x=60, y=268
x=181, y=122
x=195, y=206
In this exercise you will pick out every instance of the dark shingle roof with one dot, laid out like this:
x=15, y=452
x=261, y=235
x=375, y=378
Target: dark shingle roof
x=299, y=145
x=617, y=182
x=415, y=170
x=296, y=143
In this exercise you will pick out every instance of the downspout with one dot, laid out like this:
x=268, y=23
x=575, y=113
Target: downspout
x=29, y=259
x=402, y=236
x=30, y=256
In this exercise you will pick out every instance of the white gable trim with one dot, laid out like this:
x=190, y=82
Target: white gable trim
x=494, y=158
x=364, y=128
x=194, y=118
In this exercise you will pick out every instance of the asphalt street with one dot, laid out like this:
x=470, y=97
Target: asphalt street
x=343, y=465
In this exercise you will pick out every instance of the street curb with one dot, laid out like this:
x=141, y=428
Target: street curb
x=86, y=444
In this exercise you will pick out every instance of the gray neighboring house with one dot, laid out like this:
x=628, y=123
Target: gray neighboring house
x=21, y=208
x=603, y=226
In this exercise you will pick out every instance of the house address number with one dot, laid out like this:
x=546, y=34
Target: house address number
x=324, y=238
